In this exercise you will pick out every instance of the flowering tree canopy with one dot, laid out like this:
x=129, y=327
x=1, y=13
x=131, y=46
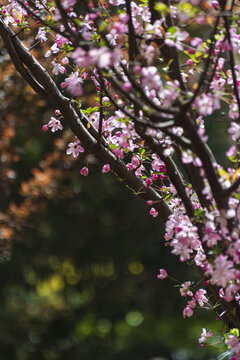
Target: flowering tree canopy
x=155, y=83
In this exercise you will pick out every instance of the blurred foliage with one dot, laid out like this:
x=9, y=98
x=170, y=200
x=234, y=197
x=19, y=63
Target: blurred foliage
x=81, y=281
x=83, y=284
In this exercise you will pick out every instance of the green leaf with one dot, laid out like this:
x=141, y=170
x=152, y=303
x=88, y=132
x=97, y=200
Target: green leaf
x=172, y=30
x=163, y=8
x=91, y=110
x=235, y=332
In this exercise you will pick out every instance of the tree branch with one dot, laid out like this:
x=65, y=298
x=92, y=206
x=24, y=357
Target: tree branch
x=17, y=61
x=172, y=170
x=88, y=141
x=227, y=192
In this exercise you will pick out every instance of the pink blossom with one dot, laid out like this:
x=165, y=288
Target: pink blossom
x=60, y=40
x=135, y=161
x=80, y=57
x=204, y=336
x=200, y=297
x=74, y=148
x=149, y=181
x=101, y=57
x=139, y=170
x=55, y=124
x=233, y=111
x=215, y=4
x=57, y=68
x=187, y=157
x=187, y=312
x=230, y=292
x=65, y=61
x=175, y=38
x=233, y=342
x=196, y=41
x=153, y=212
x=163, y=274
x=106, y=168
x=69, y=3
x=191, y=303
x=126, y=86
x=205, y=104
x=223, y=271
x=210, y=235
x=84, y=171
x=184, y=289
x=74, y=84
x=234, y=130
x=151, y=78
x=41, y=35
x=117, y=2
x=232, y=151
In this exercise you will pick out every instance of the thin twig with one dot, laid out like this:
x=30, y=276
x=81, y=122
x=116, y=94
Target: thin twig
x=100, y=117
x=227, y=192
x=232, y=63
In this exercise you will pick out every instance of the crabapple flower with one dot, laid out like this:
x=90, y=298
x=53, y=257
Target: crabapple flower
x=233, y=343
x=163, y=274
x=200, y=297
x=54, y=124
x=69, y=3
x=153, y=212
x=184, y=290
x=116, y=2
x=149, y=181
x=204, y=336
x=210, y=235
x=106, y=168
x=232, y=151
x=234, y=130
x=65, y=61
x=57, y=68
x=233, y=111
x=151, y=78
x=187, y=312
x=101, y=57
x=192, y=303
x=205, y=104
x=57, y=112
x=84, y=171
x=74, y=148
x=74, y=84
x=223, y=271
x=175, y=38
x=41, y=35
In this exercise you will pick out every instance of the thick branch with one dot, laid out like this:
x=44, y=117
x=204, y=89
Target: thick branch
x=132, y=45
x=232, y=63
x=168, y=53
x=205, y=69
x=88, y=141
x=18, y=62
x=205, y=154
x=172, y=170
